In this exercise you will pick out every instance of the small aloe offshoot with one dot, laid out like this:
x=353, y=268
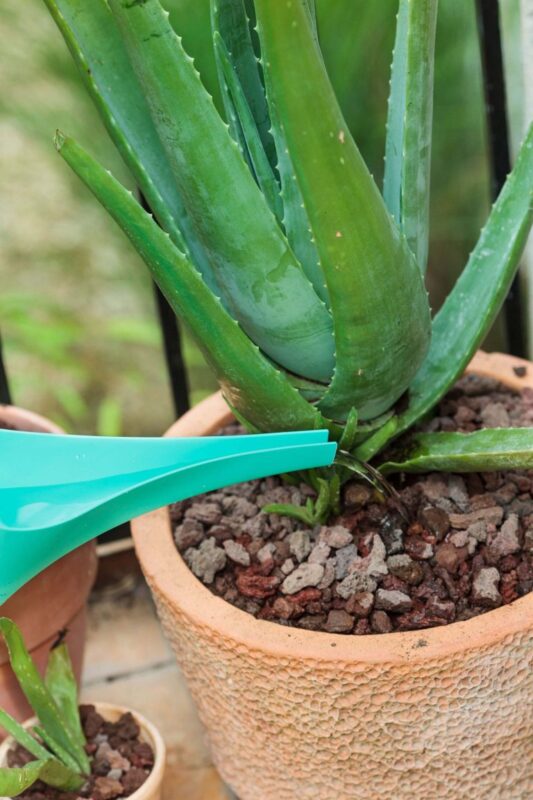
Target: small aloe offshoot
x=57, y=742
x=301, y=281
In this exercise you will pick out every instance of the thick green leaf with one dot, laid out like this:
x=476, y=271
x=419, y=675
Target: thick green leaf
x=408, y=146
x=262, y=283
x=253, y=147
x=61, y=683
x=378, y=301
x=21, y=735
x=38, y=695
x=92, y=36
x=230, y=20
x=472, y=305
x=481, y=451
x=14, y=780
x=59, y=752
x=259, y=392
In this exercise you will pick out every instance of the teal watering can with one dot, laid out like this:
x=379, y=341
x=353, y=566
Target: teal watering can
x=58, y=492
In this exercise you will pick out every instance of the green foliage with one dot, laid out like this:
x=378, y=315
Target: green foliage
x=312, y=307
x=59, y=751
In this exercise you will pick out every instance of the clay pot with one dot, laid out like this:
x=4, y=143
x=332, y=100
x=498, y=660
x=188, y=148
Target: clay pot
x=54, y=600
x=439, y=713
x=151, y=788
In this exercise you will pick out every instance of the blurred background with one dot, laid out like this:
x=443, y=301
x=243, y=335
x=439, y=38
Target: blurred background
x=77, y=313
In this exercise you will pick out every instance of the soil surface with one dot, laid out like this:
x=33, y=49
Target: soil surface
x=121, y=761
x=466, y=546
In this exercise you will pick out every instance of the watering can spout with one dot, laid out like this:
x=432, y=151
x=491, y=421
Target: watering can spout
x=58, y=492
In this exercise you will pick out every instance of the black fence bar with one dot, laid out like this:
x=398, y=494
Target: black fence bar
x=5, y=394
x=172, y=346
x=488, y=18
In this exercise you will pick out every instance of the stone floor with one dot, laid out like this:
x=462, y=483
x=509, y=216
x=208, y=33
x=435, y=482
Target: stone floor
x=128, y=662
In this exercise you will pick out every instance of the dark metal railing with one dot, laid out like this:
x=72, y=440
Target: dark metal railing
x=500, y=164
x=490, y=41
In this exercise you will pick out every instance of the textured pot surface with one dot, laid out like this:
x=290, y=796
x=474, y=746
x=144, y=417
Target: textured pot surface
x=151, y=789
x=54, y=600
x=441, y=713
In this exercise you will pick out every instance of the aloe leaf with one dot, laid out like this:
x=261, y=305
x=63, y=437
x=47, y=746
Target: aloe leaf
x=261, y=282
x=38, y=695
x=61, y=683
x=377, y=440
x=21, y=735
x=230, y=20
x=251, y=141
x=59, y=752
x=377, y=298
x=484, y=450
x=295, y=220
x=14, y=780
x=253, y=386
x=94, y=41
x=408, y=145
x=471, y=307
x=301, y=513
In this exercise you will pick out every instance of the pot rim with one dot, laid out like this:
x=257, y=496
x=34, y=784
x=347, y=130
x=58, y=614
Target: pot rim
x=148, y=732
x=170, y=577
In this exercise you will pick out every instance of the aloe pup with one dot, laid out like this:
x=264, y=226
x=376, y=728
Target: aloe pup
x=57, y=742
x=302, y=282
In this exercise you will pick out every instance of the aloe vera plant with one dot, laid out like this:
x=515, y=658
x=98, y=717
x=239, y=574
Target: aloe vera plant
x=302, y=282
x=57, y=742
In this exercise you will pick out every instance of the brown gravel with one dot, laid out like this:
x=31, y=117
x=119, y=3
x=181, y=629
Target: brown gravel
x=465, y=549
x=121, y=762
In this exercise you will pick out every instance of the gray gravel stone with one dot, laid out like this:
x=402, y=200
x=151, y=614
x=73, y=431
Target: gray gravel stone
x=207, y=560
x=189, y=534
x=266, y=552
x=288, y=566
x=338, y=536
x=495, y=415
x=355, y=583
x=345, y=556
x=319, y=554
x=507, y=540
x=300, y=544
x=329, y=574
x=237, y=553
x=208, y=513
x=303, y=576
x=485, y=588
x=405, y=568
x=393, y=600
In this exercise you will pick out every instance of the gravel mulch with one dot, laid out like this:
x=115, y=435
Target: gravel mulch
x=466, y=547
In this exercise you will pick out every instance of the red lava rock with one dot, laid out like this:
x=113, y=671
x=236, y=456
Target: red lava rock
x=449, y=557
x=339, y=622
x=107, y=788
x=417, y=548
x=92, y=722
x=404, y=567
x=436, y=521
x=485, y=588
x=360, y=604
x=417, y=620
x=312, y=622
x=133, y=780
x=362, y=627
x=305, y=596
x=441, y=608
x=257, y=586
x=380, y=622
x=282, y=608
x=508, y=586
x=393, y=600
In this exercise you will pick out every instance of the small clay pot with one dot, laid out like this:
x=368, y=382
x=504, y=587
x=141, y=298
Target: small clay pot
x=54, y=600
x=438, y=713
x=152, y=787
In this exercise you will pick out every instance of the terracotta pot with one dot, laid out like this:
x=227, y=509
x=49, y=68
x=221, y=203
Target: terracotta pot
x=54, y=600
x=439, y=713
x=151, y=788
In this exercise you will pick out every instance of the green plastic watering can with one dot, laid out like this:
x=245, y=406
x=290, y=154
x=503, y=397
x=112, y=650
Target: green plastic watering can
x=58, y=492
